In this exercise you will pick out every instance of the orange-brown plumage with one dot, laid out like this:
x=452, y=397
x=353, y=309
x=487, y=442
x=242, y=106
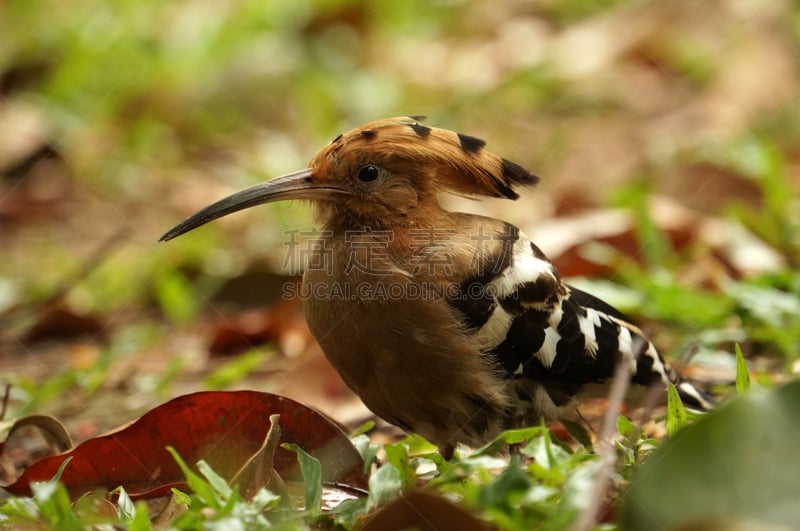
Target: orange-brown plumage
x=450, y=325
x=428, y=160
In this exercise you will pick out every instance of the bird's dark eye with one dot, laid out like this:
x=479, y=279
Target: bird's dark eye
x=368, y=173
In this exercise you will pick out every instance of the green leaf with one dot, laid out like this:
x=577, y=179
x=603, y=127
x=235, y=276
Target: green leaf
x=215, y=480
x=18, y=509
x=509, y=437
x=397, y=456
x=176, y=297
x=417, y=444
x=52, y=502
x=367, y=450
x=384, y=485
x=127, y=510
x=265, y=499
x=770, y=305
x=737, y=464
x=141, y=518
x=511, y=485
x=578, y=432
x=625, y=427
x=312, y=478
x=349, y=512
x=474, y=464
x=44, y=490
x=180, y=497
x=742, y=374
x=364, y=428
x=238, y=368
x=677, y=417
x=652, y=240
x=202, y=488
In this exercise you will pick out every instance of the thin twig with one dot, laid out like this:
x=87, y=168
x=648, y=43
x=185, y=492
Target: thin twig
x=606, y=450
x=89, y=265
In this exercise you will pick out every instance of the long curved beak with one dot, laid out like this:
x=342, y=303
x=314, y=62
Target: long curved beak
x=297, y=185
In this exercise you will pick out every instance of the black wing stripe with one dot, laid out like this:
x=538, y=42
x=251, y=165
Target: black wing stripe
x=587, y=300
x=551, y=338
x=475, y=304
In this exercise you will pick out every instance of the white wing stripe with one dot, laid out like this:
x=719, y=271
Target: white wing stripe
x=588, y=325
x=547, y=354
x=524, y=268
x=625, y=348
x=495, y=330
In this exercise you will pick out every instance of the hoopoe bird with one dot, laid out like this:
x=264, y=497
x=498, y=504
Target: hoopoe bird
x=449, y=325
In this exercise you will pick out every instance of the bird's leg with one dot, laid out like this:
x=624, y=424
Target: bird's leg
x=447, y=451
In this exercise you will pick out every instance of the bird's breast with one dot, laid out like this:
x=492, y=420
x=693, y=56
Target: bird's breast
x=403, y=349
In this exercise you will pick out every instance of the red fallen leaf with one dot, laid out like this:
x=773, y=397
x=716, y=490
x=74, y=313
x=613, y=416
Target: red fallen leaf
x=259, y=470
x=566, y=238
x=258, y=284
x=282, y=323
x=422, y=510
x=242, y=333
x=34, y=180
x=573, y=262
x=225, y=428
x=572, y=203
x=63, y=323
x=28, y=440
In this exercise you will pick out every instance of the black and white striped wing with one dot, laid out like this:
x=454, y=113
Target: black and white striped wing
x=538, y=329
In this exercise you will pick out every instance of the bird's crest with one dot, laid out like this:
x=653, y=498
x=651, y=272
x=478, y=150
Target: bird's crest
x=458, y=162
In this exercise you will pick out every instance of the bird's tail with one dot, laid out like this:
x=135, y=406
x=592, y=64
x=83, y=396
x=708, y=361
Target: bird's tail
x=694, y=398
x=648, y=367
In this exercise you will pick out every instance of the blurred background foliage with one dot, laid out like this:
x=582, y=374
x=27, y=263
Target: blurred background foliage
x=120, y=118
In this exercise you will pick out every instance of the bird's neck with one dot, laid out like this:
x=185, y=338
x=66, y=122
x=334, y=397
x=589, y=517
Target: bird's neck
x=337, y=219
x=442, y=245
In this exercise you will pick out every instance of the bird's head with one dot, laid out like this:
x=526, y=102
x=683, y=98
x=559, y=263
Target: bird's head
x=382, y=174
